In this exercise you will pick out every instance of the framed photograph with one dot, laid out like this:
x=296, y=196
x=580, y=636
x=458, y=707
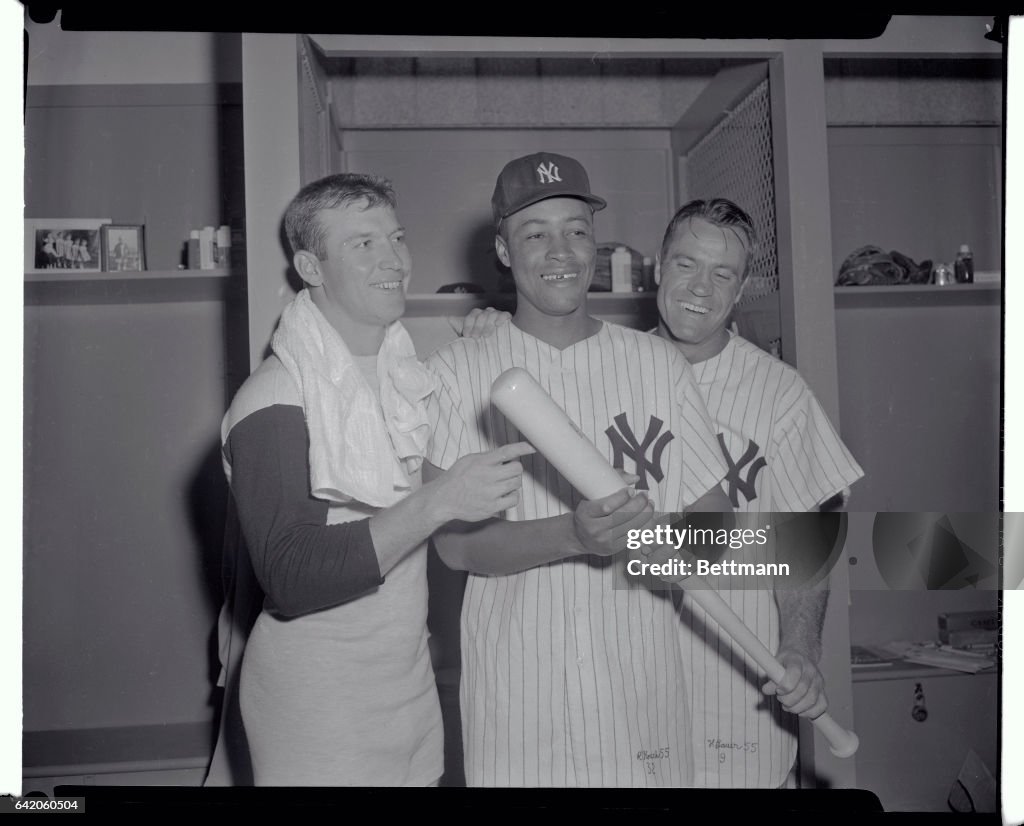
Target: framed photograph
x=124, y=248
x=68, y=245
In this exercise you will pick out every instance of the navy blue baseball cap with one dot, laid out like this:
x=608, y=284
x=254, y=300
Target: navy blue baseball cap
x=539, y=176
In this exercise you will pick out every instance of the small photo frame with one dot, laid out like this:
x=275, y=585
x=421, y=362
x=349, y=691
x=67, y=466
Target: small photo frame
x=124, y=248
x=63, y=245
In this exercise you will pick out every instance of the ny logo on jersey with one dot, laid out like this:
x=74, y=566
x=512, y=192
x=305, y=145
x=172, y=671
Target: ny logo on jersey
x=624, y=444
x=548, y=173
x=736, y=483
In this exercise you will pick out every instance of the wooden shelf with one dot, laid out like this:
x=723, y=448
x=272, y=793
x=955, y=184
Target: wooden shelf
x=904, y=669
x=74, y=276
x=148, y=287
x=918, y=288
x=909, y=295
x=444, y=304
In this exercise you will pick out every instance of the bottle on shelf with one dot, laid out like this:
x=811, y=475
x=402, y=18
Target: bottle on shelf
x=193, y=250
x=942, y=274
x=622, y=271
x=964, y=265
x=647, y=275
x=207, y=244
x=222, y=256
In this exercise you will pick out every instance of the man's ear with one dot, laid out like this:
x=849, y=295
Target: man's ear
x=307, y=266
x=502, y=249
x=657, y=270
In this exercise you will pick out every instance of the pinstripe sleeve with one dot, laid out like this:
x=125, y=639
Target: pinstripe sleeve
x=703, y=465
x=809, y=462
x=448, y=439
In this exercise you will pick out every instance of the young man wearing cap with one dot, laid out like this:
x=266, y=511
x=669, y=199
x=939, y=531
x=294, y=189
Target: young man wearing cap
x=571, y=674
x=783, y=455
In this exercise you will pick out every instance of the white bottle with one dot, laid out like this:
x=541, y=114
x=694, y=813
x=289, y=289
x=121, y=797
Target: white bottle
x=207, y=243
x=622, y=271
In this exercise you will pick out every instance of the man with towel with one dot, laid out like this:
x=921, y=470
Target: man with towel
x=322, y=446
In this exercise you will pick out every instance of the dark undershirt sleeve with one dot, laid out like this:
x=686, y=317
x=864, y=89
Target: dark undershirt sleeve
x=302, y=563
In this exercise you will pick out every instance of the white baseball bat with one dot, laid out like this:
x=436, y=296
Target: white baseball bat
x=534, y=413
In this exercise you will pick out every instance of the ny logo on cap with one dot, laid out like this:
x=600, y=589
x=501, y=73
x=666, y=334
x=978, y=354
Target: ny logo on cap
x=548, y=173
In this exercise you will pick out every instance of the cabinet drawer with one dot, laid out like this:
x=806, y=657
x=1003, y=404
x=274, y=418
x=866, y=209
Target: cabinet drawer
x=912, y=765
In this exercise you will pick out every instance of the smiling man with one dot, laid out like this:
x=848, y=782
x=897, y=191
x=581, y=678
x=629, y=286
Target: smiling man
x=323, y=446
x=783, y=455
x=569, y=676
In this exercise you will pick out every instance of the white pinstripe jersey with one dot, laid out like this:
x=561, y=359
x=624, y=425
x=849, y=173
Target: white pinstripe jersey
x=783, y=455
x=567, y=681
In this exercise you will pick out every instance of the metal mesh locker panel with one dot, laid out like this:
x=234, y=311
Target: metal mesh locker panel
x=734, y=161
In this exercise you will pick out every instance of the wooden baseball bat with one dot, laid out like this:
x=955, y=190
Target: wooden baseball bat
x=536, y=415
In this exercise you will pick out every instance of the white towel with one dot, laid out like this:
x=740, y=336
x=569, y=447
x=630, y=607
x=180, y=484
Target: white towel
x=358, y=448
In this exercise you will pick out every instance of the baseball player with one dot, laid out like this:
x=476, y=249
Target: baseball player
x=570, y=675
x=323, y=446
x=783, y=455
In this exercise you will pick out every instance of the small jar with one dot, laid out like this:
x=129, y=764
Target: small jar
x=942, y=275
